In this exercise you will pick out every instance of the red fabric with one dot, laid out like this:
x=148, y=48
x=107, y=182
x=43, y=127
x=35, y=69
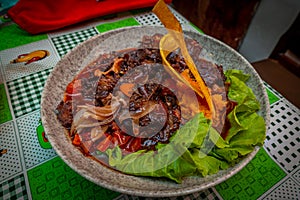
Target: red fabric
x=37, y=16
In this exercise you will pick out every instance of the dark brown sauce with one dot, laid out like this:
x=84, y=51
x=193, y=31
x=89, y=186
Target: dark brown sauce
x=90, y=88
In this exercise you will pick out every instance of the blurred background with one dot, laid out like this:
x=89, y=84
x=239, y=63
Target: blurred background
x=5, y=5
x=265, y=32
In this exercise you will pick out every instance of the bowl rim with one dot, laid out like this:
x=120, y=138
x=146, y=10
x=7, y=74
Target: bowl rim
x=142, y=191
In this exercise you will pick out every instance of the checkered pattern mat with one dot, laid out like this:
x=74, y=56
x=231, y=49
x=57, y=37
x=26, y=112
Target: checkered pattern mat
x=65, y=43
x=283, y=140
x=253, y=180
x=33, y=153
x=14, y=188
x=25, y=93
x=10, y=163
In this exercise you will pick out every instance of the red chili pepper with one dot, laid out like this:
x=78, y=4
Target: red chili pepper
x=121, y=138
x=70, y=87
x=87, y=147
x=104, y=144
x=133, y=145
x=73, y=90
x=76, y=140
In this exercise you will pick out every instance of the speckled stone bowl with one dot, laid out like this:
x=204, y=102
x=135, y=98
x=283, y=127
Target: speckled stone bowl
x=85, y=53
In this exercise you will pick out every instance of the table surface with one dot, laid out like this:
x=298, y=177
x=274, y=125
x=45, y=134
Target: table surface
x=30, y=169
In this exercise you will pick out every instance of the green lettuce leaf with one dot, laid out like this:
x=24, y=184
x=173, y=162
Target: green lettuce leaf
x=207, y=164
x=238, y=74
x=247, y=127
x=171, y=160
x=247, y=103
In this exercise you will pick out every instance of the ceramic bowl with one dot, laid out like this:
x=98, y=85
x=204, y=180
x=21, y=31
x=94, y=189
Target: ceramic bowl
x=88, y=51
